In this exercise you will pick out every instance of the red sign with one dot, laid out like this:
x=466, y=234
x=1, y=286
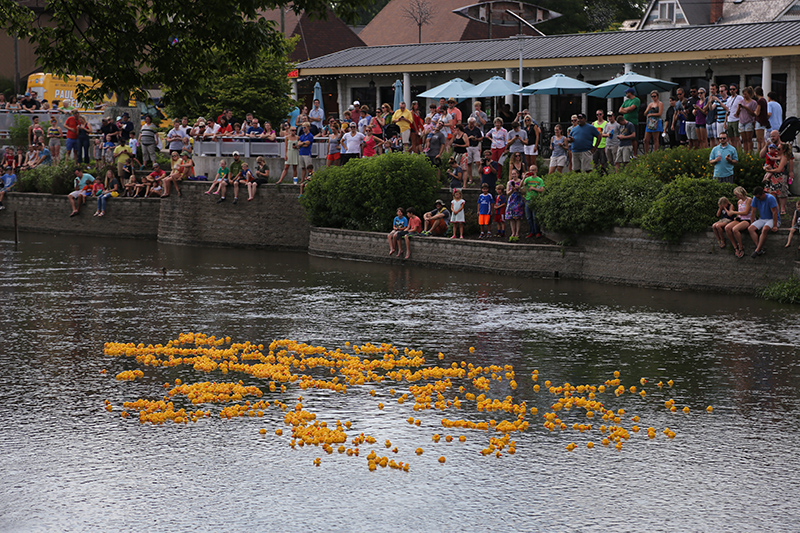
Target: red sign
x=294, y=73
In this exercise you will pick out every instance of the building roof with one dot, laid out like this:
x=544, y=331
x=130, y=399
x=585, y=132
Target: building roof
x=743, y=11
x=667, y=44
x=392, y=26
x=317, y=37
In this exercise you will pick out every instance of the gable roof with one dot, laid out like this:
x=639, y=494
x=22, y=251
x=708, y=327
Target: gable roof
x=317, y=37
x=393, y=26
x=666, y=44
x=695, y=12
x=744, y=11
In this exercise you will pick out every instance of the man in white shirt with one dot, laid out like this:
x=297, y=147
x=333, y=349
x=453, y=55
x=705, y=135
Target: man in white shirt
x=733, y=103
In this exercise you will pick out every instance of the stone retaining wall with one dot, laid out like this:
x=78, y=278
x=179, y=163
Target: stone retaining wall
x=626, y=256
x=47, y=213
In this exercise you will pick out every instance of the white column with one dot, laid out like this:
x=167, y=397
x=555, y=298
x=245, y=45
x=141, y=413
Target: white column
x=609, y=104
x=377, y=98
x=766, y=74
x=545, y=111
x=340, y=96
x=585, y=105
x=294, y=89
x=509, y=77
x=628, y=67
x=407, y=89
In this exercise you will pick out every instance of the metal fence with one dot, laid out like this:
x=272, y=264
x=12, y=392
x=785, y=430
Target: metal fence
x=253, y=147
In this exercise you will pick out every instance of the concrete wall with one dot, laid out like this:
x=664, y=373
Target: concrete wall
x=626, y=256
x=274, y=219
x=125, y=217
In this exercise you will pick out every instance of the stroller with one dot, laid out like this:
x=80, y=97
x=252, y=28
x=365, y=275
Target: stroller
x=789, y=130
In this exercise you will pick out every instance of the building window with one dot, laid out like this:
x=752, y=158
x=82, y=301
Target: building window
x=666, y=11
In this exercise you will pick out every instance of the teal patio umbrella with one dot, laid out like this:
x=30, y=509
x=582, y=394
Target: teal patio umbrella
x=455, y=88
x=557, y=84
x=630, y=80
x=398, y=94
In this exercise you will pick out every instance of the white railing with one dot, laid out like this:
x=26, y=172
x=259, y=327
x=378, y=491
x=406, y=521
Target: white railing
x=248, y=147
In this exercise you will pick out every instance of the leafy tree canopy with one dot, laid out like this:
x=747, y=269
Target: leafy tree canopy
x=130, y=45
x=262, y=89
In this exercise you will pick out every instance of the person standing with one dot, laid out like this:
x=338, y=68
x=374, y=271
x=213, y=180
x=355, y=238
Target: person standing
x=474, y=136
x=732, y=120
x=584, y=139
x=774, y=112
x=630, y=110
x=723, y=156
x=627, y=133
x=71, y=124
x=533, y=186
x=599, y=157
x=534, y=133
x=762, y=118
x=481, y=119
x=404, y=120
x=700, y=118
x=316, y=117
x=689, y=108
x=611, y=134
x=304, y=149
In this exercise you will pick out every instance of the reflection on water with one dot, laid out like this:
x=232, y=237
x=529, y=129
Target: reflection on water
x=69, y=465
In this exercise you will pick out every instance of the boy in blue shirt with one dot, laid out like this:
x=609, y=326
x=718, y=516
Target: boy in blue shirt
x=9, y=180
x=485, y=202
x=400, y=223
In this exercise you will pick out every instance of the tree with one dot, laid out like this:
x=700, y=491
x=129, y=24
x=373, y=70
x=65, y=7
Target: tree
x=128, y=46
x=262, y=90
x=421, y=12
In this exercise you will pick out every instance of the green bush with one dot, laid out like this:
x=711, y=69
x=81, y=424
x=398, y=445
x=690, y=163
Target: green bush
x=56, y=179
x=666, y=165
x=18, y=131
x=365, y=193
x=787, y=292
x=576, y=203
x=683, y=206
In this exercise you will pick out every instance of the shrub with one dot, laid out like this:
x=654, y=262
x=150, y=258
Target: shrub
x=683, y=206
x=365, y=193
x=749, y=171
x=18, y=131
x=56, y=179
x=787, y=292
x=577, y=203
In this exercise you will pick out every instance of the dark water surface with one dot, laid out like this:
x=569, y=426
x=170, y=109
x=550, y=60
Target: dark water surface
x=68, y=465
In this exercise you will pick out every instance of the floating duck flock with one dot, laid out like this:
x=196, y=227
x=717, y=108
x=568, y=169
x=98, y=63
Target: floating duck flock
x=456, y=388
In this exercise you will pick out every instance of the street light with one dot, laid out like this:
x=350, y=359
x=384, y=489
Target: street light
x=519, y=40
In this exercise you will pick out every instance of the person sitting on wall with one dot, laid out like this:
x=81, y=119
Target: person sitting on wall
x=437, y=220
x=9, y=180
x=83, y=188
x=767, y=207
x=151, y=184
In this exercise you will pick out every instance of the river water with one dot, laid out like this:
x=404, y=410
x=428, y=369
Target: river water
x=69, y=465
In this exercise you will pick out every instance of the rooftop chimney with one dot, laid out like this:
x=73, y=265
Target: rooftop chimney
x=716, y=11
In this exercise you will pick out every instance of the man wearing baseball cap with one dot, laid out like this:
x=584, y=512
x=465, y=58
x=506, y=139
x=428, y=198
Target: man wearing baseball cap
x=630, y=110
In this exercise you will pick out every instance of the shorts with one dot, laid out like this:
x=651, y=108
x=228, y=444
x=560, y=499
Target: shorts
x=75, y=194
x=500, y=216
x=724, y=179
x=760, y=127
x=531, y=150
x=763, y=222
x=711, y=130
x=582, y=161
x=473, y=154
x=497, y=153
x=624, y=154
x=725, y=220
x=484, y=220
x=691, y=131
x=54, y=141
x=334, y=157
x=733, y=129
x=405, y=135
x=558, y=161
x=611, y=153
x=304, y=160
x=797, y=224
x=746, y=127
x=72, y=145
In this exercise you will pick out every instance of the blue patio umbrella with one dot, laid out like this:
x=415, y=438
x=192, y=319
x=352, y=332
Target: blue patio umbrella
x=494, y=86
x=640, y=84
x=398, y=94
x=318, y=95
x=455, y=88
x=557, y=84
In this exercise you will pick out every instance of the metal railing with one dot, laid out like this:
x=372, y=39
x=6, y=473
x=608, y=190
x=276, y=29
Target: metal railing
x=248, y=147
